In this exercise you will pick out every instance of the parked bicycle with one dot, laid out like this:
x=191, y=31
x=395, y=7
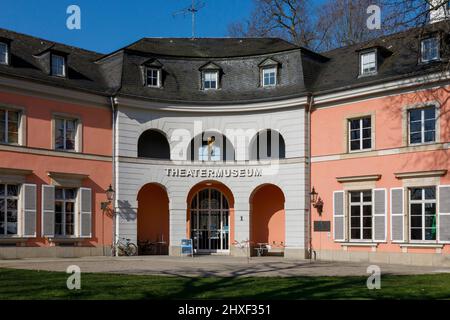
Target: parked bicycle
x=125, y=247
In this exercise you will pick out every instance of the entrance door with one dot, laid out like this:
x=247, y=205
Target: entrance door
x=210, y=221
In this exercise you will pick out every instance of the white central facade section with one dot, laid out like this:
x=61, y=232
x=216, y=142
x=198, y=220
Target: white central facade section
x=241, y=176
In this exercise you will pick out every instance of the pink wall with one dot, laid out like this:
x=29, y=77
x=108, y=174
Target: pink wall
x=97, y=140
x=328, y=139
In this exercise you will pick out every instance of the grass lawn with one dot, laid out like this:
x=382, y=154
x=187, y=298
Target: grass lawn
x=26, y=284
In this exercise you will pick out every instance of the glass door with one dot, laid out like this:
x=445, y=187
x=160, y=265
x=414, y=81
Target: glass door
x=210, y=222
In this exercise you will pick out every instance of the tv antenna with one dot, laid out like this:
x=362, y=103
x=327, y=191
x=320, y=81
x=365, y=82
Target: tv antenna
x=192, y=9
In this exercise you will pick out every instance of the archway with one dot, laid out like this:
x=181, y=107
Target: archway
x=210, y=217
x=267, y=144
x=267, y=219
x=210, y=146
x=153, y=144
x=153, y=219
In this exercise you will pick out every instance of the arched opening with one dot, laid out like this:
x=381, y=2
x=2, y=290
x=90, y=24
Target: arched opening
x=153, y=144
x=153, y=220
x=267, y=220
x=210, y=146
x=267, y=144
x=210, y=217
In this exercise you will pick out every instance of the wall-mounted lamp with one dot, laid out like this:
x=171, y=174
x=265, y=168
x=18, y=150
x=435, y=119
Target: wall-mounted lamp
x=110, y=196
x=316, y=201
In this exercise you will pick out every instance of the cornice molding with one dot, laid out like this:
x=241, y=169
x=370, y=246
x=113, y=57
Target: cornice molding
x=372, y=177
x=48, y=91
x=420, y=174
x=211, y=108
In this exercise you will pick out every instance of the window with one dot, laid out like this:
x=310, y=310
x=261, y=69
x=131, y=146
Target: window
x=210, y=79
x=65, y=211
x=430, y=49
x=4, y=53
x=360, y=134
x=422, y=125
x=269, y=77
x=153, y=77
x=209, y=150
x=368, y=63
x=9, y=195
x=267, y=145
x=422, y=211
x=65, y=134
x=58, y=65
x=360, y=215
x=9, y=126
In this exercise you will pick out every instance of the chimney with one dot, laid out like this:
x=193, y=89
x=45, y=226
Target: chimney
x=439, y=10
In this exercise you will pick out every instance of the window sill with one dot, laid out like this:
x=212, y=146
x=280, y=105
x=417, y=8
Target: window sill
x=67, y=239
x=421, y=245
x=359, y=244
x=12, y=239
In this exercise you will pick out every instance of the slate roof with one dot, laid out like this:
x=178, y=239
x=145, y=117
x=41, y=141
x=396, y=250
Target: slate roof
x=30, y=59
x=400, y=59
x=301, y=71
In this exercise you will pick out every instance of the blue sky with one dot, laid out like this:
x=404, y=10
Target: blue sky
x=109, y=25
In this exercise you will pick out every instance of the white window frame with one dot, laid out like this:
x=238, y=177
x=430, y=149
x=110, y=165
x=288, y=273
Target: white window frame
x=53, y=58
x=158, y=77
x=76, y=137
x=422, y=125
x=423, y=202
x=5, y=44
x=361, y=130
x=422, y=49
x=362, y=70
x=215, y=78
x=17, y=198
x=63, y=213
x=273, y=70
x=361, y=205
x=19, y=125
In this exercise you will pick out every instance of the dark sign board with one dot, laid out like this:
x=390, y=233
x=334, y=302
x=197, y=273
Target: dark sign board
x=322, y=226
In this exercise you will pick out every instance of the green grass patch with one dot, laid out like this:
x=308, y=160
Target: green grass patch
x=27, y=284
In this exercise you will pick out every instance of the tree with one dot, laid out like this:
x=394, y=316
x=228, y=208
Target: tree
x=287, y=19
x=333, y=23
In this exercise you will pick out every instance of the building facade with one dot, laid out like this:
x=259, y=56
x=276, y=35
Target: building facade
x=55, y=152
x=244, y=146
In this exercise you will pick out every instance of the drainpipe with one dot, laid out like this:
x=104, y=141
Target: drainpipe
x=308, y=157
x=113, y=101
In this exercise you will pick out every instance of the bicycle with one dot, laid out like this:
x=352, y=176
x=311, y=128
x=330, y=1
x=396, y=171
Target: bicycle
x=126, y=248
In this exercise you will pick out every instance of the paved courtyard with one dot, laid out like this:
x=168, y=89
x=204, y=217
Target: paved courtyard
x=205, y=266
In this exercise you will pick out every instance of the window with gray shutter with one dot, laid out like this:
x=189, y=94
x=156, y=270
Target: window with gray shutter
x=48, y=211
x=85, y=212
x=444, y=214
x=338, y=216
x=29, y=210
x=397, y=214
x=379, y=214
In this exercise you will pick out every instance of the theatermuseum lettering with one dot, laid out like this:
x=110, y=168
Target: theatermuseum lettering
x=213, y=173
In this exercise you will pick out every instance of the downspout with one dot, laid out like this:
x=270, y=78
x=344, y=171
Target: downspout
x=312, y=253
x=113, y=101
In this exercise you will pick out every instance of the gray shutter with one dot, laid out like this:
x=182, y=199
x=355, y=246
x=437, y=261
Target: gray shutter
x=338, y=216
x=29, y=210
x=85, y=212
x=48, y=211
x=379, y=214
x=444, y=214
x=397, y=214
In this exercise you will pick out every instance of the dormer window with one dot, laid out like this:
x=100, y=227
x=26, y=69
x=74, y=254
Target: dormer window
x=58, y=65
x=368, y=63
x=269, y=77
x=153, y=78
x=269, y=72
x=430, y=49
x=4, y=53
x=210, y=80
